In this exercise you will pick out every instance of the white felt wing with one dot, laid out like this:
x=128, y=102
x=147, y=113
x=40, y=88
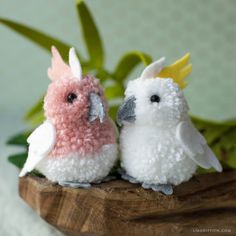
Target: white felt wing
x=196, y=146
x=41, y=142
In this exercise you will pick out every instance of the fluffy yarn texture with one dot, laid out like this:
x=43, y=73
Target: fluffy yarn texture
x=149, y=149
x=74, y=132
x=84, y=151
x=74, y=167
x=152, y=155
x=168, y=112
x=70, y=146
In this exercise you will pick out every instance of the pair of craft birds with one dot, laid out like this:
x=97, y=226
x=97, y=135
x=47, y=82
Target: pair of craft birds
x=77, y=143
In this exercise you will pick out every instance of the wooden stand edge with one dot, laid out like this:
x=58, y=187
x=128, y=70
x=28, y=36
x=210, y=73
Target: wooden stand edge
x=206, y=202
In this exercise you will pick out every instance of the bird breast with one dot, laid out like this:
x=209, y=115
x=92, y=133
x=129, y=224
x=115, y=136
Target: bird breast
x=153, y=155
x=85, y=138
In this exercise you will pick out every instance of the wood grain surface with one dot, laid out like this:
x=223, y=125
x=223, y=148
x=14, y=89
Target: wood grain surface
x=204, y=205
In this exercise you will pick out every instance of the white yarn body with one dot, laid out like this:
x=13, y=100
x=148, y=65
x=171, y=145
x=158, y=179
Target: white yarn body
x=152, y=154
x=77, y=168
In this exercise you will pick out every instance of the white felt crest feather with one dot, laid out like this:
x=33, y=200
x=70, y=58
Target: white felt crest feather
x=75, y=64
x=153, y=69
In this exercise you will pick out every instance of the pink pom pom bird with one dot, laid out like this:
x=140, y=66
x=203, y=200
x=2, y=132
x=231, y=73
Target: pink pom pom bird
x=76, y=145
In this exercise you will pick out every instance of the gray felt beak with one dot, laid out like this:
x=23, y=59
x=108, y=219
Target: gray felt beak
x=127, y=111
x=96, y=108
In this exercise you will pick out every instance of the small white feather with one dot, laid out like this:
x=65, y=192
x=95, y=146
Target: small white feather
x=75, y=64
x=196, y=146
x=41, y=142
x=153, y=69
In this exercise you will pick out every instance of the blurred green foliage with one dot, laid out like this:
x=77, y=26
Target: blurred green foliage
x=220, y=136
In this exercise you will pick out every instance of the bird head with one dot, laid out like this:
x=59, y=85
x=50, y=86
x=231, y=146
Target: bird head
x=72, y=96
x=156, y=97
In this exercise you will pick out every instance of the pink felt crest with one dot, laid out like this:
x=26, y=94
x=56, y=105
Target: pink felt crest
x=59, y=68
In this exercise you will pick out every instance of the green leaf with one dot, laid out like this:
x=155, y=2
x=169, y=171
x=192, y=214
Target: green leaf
x=19, y=139
x=228, y=140
x=37, y=173
x=113, y=112
x=103, y=75
x=18, y=159
x=213, y=133
x=41, y=39
x=37, y=119
x=114, y=91
x=205, y=122
x=204, y=171
x=35, y=115
x=212, y=130
x=230, y=122
x=231, y=158
x=227, y=157
x=34, y=110
x=221, y=136
x=128, y=62
x=91, y=35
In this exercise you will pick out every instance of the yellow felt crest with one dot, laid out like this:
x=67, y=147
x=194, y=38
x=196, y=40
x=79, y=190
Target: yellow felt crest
x=178, y=71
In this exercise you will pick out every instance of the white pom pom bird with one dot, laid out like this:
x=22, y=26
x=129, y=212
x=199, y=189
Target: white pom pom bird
x=76, y=145
x=160, y=147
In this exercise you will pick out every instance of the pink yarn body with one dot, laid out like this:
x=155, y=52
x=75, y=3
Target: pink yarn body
x=74, y=133
x=83, y=138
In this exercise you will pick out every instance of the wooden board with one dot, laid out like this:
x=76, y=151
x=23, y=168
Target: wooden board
x=205, y=203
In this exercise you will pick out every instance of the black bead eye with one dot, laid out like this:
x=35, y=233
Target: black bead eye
x=155, y=98
x=71, y=97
